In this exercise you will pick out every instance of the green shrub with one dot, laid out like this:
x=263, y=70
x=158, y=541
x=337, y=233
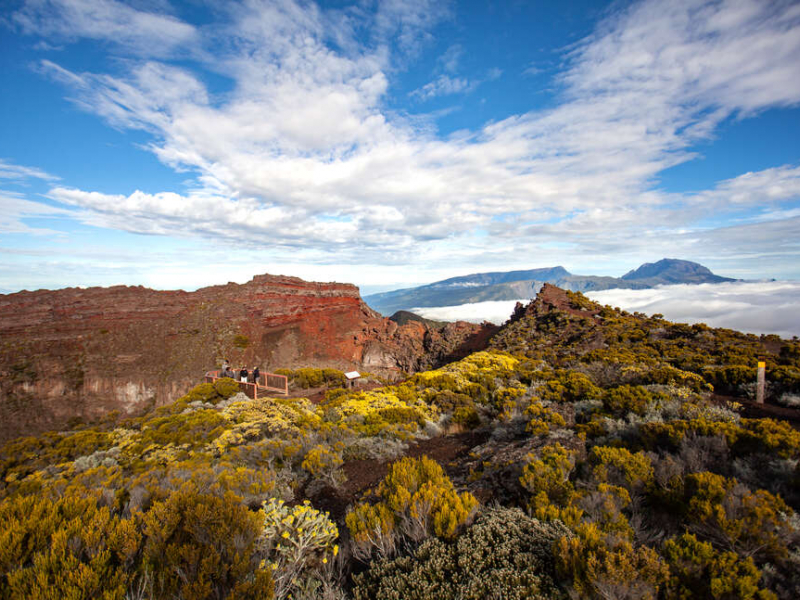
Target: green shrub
x=226, y=387
x=625, y=399
x=68, y=548
x=503, y=554
x=200, y=546
x=205, y=392
x=466, y=416
x=546, y=476
x=735, y=518
x=697, y=570
x=415, y=496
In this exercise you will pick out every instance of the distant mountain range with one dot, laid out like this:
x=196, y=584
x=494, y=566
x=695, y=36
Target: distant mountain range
x=514, y=285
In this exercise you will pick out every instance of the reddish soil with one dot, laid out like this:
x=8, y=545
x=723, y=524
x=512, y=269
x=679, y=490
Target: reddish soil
x=363, y=475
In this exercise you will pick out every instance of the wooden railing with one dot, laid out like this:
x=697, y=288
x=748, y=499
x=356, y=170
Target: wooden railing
x=272, y=382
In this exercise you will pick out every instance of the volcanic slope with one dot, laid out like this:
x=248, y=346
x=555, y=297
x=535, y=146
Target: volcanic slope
x=593, y=462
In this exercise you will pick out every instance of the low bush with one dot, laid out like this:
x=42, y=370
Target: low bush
x=736, y=518
x=68, y=548
x=295, y=543
x=619, y=466
x=697, y=570
x=199, y=546
x=599, y=565
x=416, y=500
x=503, y=554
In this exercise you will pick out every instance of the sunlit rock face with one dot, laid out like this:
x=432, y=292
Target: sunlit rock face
x=81, y=353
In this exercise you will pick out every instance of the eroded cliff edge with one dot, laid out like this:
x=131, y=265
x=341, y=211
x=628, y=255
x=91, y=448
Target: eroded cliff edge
x=82, y=353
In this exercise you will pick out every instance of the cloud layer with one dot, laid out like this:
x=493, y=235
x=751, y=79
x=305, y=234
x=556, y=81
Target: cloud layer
x=763, y=307
x=496, y=312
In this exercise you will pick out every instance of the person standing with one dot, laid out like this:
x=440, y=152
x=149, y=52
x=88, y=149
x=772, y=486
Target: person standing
x=256, y=374
x=243, y=375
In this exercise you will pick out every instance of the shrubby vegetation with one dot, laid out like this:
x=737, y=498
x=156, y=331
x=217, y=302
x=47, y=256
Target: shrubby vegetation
x=416, y=500
x=604, y=465
x=308, y=377
x=504, y=554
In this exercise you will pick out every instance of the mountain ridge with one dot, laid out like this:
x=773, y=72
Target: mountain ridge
x=519, y=284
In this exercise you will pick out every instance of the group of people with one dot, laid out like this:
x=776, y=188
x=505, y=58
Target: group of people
x=244, y=375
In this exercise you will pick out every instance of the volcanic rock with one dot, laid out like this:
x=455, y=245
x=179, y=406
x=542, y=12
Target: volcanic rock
x=81, y=353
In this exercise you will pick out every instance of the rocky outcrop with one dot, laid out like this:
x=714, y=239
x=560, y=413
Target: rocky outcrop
x=81, y=353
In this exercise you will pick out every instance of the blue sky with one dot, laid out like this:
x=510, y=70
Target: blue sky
x=388, y=144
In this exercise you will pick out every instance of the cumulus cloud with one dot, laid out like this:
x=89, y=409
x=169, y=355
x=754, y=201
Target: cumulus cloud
x=304, y=147
x=763, y=307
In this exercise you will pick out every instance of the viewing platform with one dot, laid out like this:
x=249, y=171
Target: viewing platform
x=268, y=383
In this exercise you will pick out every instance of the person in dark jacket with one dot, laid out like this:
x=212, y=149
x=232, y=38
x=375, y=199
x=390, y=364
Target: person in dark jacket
x=256, y=375
x=243, y=375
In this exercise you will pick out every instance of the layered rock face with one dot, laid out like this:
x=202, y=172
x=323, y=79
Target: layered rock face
x=81, y=353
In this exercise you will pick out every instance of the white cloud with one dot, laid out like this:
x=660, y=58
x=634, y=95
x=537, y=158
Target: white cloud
x=444, y=85
x=451, y=57
x=18, y=172
x=139, y=31
x=303, y=148
x=14, y=208
x=763, y=307
x=497, y=312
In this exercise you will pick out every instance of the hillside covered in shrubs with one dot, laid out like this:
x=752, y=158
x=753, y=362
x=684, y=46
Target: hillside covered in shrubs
x=589, y=453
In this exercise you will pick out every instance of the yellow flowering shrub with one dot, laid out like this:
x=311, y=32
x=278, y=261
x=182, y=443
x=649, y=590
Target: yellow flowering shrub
x=619, y=466
x=373, y=529
x=378, y=412
x=546, y=476
x=564, y=385
x=542, y=419
x=421, y=499
x=294, y=543
x=253, y=420
x=323, y=462
x=601, y=566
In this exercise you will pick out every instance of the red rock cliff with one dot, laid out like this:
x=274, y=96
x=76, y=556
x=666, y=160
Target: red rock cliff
x=84, y=352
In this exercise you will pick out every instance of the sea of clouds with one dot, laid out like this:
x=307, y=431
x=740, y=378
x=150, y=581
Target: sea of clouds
x=753, y=307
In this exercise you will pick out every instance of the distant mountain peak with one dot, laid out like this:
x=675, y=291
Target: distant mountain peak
x=519, y=285
x=673, y=270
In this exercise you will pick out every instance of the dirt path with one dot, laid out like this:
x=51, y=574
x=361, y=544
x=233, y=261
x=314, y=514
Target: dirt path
x=754, y=410
x=365, y=474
